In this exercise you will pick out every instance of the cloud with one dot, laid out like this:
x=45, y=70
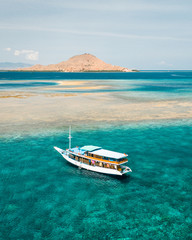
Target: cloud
x=164, y=63
x=17, y=53
x=7, y=49
x=32, y=56
x=29, y=54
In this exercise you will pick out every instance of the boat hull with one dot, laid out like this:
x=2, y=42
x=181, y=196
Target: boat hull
x=86, y=166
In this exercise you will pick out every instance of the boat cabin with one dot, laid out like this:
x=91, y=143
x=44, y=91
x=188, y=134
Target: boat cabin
x=98, y=156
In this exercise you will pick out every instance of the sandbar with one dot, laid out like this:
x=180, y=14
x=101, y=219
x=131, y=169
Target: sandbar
x=24, y=110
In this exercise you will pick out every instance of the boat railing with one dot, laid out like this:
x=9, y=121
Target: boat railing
x=97, y=162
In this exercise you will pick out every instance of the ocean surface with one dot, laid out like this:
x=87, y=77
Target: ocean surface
x=44, y=197
x=161, y=82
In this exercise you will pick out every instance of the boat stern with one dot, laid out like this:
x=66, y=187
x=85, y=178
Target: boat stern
x=125, y=170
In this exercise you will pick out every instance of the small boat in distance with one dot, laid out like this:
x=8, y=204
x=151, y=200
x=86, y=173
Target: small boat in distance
x=96, y=159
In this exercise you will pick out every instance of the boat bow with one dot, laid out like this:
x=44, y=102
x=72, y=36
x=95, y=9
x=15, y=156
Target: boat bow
x=61, y=151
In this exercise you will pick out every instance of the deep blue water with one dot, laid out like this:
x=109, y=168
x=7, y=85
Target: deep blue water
x=24, y=84
x=96, y=75
x=44, y=197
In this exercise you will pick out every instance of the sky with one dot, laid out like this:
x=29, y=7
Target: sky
x=139, y=34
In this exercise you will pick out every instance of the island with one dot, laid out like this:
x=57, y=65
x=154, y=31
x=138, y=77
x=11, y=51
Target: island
x=79, y=63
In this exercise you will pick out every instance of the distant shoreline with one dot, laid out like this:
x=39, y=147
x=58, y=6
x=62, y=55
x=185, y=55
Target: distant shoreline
x=104, y=71
x=134, y=70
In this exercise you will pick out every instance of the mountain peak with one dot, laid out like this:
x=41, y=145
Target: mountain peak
x=80, y=63
x=83, y=57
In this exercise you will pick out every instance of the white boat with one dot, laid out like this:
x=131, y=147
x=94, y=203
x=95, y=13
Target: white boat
x=96, y=159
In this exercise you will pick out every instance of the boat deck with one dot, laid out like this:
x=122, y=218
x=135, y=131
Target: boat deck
x=80, y=153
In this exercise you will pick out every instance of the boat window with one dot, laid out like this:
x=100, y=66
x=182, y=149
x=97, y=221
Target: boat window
x=112, y=159
x=122, y=159
x=96, y=156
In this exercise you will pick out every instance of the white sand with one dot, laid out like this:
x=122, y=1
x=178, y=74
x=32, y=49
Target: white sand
x=23, y=109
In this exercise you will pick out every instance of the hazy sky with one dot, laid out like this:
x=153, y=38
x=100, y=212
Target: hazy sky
x=141, y=34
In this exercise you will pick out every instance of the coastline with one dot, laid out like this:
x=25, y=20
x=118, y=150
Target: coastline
x=93, y=71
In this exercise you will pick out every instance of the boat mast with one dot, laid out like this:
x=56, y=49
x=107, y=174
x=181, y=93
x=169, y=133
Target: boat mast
x=69, y=137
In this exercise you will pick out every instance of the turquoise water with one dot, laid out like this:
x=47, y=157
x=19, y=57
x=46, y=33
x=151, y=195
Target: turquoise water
x=44, y=197
x=164, y=84
x=24, y=84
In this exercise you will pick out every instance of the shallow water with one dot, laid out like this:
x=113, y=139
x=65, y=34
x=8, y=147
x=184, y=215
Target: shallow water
x=160, y=85
x=44, y=197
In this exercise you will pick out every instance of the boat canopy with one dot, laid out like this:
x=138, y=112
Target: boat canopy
x=90, y=148
x=77, y=150
x=109, y=154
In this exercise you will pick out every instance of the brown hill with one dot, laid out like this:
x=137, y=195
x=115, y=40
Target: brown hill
x=80, y=63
